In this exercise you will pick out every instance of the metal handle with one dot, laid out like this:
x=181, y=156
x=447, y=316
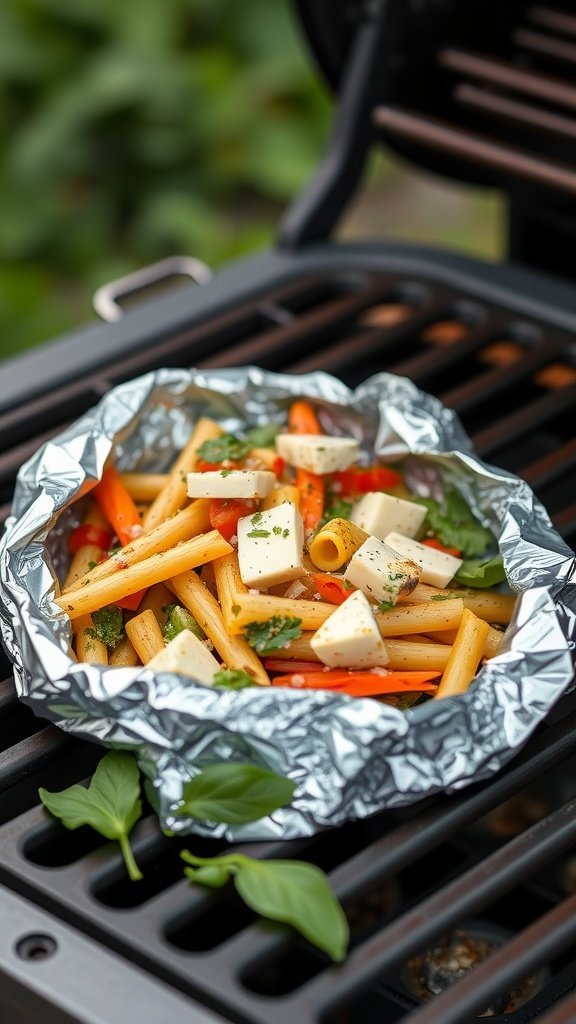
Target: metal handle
x=106, y=299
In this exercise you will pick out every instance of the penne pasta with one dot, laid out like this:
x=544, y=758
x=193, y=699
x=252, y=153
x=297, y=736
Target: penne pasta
x=490, y=606
x=144, y=487
x=286, y=492
x=174, y=494
x=420, y=618
x=335, y=544
x=155, y=569
x=123, y=655
x=157, y=599
x=233, y=650
x=145, y=635
x=88, y=647
x=260, y=607
x=464, y=656
x=184, y=525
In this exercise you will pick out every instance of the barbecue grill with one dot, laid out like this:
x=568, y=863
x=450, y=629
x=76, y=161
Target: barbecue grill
x=481, y=92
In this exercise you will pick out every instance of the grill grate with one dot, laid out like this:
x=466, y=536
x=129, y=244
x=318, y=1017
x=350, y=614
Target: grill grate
x=406, y=877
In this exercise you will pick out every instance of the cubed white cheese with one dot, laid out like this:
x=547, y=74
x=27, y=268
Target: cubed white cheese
x=438, y=568
x=270, y=546
x=377, y=570
x=350, y=637
x=231, y=483
x=187, y=656
x=317, y=453
x=379, y=514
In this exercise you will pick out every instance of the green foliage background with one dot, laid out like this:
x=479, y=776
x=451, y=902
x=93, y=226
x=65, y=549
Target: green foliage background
x=133, y=129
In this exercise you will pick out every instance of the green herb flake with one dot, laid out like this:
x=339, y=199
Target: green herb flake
x=232, y=679
x=277, y=530
x=285, y=533
x=219, y=449
x=110, y=805
x=263, y=437
x=256, y=518
x=91, y=565
x=236, y=609
x=179, y=618
x=293, y=892
x=444, y=597
x=258, y=533
x=272, y=634
x=226, y=472
x=385, y=606
x=108, y=626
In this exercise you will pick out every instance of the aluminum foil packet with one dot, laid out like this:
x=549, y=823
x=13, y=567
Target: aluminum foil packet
x=349, y=757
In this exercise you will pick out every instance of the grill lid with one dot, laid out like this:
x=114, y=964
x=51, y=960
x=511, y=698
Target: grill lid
x=482, y=92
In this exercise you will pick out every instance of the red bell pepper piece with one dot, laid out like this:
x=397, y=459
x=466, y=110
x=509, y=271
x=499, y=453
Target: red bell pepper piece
x=431, y=542
x=224, y=514
x=331, y=588
x=373, y=478
x=88, y=534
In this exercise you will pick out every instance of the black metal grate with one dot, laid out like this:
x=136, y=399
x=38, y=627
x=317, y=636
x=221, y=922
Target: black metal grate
x=405, y=878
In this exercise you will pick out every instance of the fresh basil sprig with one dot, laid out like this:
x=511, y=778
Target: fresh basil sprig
x=235, y=793
x=293, y=892
x=111, y=804
x=232, y=679
x=475, y=573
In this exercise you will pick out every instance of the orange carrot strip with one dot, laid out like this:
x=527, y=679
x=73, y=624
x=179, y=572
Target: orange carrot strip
x=312, y=489
x=117, y=505
x=360, y=684
x=302, y=419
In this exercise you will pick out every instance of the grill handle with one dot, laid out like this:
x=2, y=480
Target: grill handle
x=106, y=299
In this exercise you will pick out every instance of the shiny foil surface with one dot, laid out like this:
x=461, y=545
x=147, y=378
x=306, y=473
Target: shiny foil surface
x=349, y=757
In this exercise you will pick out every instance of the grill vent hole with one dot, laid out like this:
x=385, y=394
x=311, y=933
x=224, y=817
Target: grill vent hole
x=36, y=947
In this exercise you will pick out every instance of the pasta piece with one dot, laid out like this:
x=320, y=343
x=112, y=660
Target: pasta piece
x=487, y=605
x=144, y=487
x=421, y=618
x=156, y=569
x=174, y=494
x=402, y=654
x=464, y=656
x=229, y=585
x=287, y=492
x=259, y=607
x=157, y=599
x=188, y=523
x=88, y=553
x=422, y=592
x=491, y=647
x=88, y=647
x=145, y=635
x=233, y=650
x=124, y=654
x=335, y=544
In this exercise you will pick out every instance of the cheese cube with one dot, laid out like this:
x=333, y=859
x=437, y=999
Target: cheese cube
x=377, y=570
x=231, y=483
x=270, y=546
x=438, y=568
x=317, y=453
x=350, y=637
x=379, y=514
x=187, y=656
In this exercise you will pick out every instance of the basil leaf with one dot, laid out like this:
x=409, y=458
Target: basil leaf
x=214, y=875
x=263, y=437
x=110, y=805
x=455, y=526
x=289, y=891
x=235, y=793
x=232, y=679
x=474, y=573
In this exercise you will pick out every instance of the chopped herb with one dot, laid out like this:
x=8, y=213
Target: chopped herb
x=258, y=533
x=91, y=565
x=114, y=550
x=336, y=508
x=455, y=526
x=273, y=634
x=183, y=477
x=108, y=626
x=385, y=606
x=218, y=449
x=286, y=533
x=225, y=472
x=347, y=585
x=256, y=518
x=179, y=618
x=263, y=437
x=232, y=679
x=236, y=609
x=443, y=597
x=277, y=530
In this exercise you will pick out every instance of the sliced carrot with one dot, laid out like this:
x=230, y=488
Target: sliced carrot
x=331, y=588
x=132, y=602
x=117, y=506
x=302, y=419
x=360, y=684
x=312, y=489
